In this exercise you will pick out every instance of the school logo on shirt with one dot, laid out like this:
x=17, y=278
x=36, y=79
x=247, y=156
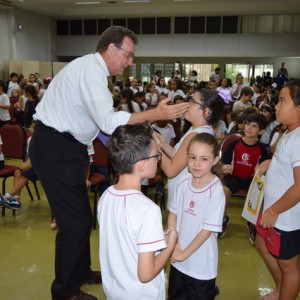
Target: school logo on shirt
x=192, y=204
x=192, y=208
x=245, y=157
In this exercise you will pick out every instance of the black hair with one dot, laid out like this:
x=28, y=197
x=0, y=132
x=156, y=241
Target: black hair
x=294, y=88
x=116, y=101
x=13, y=74
x=210, y=140
x=212, y=100
x=127, y=145
x=257, y=118
x=269, y=108
x=2, y=84
x=32, y=91
x=127, y=93
x=114, y=35
x=139, y=94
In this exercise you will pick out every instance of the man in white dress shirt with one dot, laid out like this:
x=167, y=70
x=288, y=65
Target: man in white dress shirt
x=76, y=106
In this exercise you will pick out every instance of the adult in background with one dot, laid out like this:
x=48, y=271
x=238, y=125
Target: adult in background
x=76, y=106
x=215, y=75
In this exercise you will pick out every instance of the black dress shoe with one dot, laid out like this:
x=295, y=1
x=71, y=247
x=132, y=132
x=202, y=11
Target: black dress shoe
x=79, y=296
x=94, y=278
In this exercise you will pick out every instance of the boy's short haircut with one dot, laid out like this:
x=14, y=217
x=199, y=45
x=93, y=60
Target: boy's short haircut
x=129, y=144
x=247, y=91
x=259, y=119
x=2, y=84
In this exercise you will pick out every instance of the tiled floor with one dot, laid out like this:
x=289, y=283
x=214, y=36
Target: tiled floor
x=27, y=255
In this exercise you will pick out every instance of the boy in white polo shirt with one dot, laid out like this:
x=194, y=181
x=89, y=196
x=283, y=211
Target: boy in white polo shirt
x=133, y=246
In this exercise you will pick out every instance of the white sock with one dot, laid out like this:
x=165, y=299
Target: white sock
x=8, y=196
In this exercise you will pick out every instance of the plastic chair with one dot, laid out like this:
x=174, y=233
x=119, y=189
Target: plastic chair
x=100, y=174
x=14, y=140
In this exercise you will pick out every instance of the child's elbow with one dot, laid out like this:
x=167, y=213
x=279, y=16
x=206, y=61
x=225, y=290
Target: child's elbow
x=145, y=277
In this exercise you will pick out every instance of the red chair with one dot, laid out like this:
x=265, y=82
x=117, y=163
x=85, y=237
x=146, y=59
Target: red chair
x=14, y=140
x=223, y=146
x=99, y=181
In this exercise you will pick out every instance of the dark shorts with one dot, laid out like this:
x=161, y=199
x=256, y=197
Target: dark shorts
x=184, y=287
x=289, y=244
x=236, y=183
x=30, y=174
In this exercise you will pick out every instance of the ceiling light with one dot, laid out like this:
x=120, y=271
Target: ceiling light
x=136, y=1
x=88, y=3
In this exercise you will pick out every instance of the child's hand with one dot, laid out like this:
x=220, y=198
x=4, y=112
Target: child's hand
x=88, y=183
x=262, y=168
x=227, y=169
x=25, y=165
x=171, y=236
x=178, y=254
x=159, y=138
x=268, y=219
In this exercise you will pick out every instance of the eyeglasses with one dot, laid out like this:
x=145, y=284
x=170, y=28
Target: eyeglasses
x=130, y=55
x=157, y=156
x=192, y=100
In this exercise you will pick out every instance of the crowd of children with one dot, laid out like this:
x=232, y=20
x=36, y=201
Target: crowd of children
x=200, y=182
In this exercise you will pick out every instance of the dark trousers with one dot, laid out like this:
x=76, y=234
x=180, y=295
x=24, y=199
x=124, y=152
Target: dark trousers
x=61, y=164
x=184, y=287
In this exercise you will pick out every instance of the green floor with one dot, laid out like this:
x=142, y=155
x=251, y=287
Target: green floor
x=27, y=255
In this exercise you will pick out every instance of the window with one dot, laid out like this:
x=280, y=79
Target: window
x=230, y=25
x=62, y=27
x=213, y=25
x=119, y=22
x=134, y=25
x=181, y=25
x=90, y=27
x=148, y=26
x=163, y=25
x=75, y=27
x=103, y=24
x=197, y=25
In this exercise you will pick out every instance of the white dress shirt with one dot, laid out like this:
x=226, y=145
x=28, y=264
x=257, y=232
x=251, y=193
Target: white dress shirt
x=78, y=100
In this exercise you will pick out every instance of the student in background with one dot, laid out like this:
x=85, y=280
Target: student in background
x=127, y=101
x=12, y=84
x=30, y=105
x=22, y=175
x=238, y=86
x=176, y=89
x=240, y=159
x=4, y=105
x=245, y=100
x=151, y=97
x=268, y=110
x=43, y=89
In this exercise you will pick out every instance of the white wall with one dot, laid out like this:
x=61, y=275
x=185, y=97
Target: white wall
x=35, y=42
x=215, y=49
x=193, y=45
x=38, y=42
